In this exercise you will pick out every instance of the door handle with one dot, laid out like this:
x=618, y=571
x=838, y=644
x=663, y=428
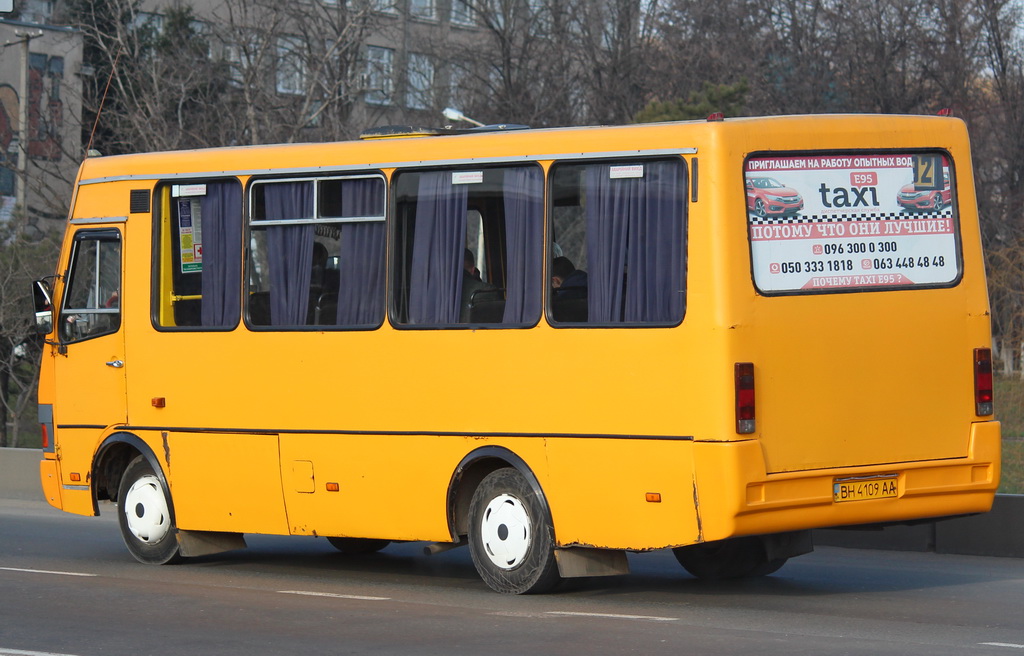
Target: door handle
x=116, y=364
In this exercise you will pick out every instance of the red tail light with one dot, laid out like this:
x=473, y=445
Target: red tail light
x=743, y=373
x=982, y=382
x=46, y=437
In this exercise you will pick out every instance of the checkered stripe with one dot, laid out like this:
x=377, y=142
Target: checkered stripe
x=833, y=218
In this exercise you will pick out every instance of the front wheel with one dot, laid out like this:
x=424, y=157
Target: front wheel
x=728, y=559
x=511, y=538
x=144, y=513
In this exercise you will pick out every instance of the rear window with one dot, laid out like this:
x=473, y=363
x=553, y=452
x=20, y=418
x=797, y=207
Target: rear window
x=851, y=221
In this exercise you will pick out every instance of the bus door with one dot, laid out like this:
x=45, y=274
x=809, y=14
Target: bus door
x=89, y=366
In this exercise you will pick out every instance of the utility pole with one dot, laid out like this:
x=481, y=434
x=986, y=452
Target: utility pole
x=23, y=39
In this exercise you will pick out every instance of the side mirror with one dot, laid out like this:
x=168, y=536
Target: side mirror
x=44, y=307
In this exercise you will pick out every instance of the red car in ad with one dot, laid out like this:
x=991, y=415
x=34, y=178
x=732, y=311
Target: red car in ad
x=913, y=199
x=769, y=197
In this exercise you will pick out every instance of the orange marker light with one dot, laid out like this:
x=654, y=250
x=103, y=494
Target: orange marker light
x=76, y=477
x=654, y=497
x=333, y=487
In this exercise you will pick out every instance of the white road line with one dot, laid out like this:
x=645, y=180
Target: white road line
x=41, y=571
x=613, y=616
x=1002, y=644
x=19, y=652
x=330, y=594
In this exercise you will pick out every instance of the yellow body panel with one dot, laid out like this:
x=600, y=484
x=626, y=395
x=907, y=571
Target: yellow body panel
x=258, y=422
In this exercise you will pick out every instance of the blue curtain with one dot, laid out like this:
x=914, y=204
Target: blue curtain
x=523, y=191
x=290, y=251
x=361, y=260
x=635, y=246
x=221, y=212
x=435, y=275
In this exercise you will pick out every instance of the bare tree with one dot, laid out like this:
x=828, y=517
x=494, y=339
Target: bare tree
x=21, y=261
x=255, y=71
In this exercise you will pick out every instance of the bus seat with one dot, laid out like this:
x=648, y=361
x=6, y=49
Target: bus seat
x=326, y=311
x=569, y=310
x=487, y=306
x=259, y=308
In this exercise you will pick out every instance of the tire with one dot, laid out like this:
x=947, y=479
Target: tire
x=144, y=513
x=759, y=208
x=511, y=538
x=727, y=559
x=358, y=546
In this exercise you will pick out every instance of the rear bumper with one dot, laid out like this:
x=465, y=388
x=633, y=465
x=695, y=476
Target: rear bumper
x=753, y=502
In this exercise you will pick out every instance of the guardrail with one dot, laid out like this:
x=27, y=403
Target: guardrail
x=997, y=533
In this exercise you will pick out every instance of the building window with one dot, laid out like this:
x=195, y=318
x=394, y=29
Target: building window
x=421, y=82
x=422, y=9
x=384, y=6
x=462, y=14
x=379, y=74
x=291, y=70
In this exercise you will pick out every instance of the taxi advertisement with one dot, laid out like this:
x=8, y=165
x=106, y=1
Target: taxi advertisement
x=843, y=222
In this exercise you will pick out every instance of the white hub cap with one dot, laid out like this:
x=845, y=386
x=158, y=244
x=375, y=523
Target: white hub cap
x=146, y=510
x=505, y=531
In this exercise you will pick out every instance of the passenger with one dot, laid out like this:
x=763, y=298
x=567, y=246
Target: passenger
x=471, y=283
x=567, y=280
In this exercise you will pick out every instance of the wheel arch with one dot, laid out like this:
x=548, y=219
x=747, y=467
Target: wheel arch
x=112, y=459
x=467, y=476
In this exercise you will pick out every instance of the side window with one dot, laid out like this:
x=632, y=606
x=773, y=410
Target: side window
x=199, y=280
x=468, y=247
x=92, y=301
x=317, y=252
x=619, y=242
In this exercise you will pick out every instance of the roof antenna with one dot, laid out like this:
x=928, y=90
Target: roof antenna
x=88, y=149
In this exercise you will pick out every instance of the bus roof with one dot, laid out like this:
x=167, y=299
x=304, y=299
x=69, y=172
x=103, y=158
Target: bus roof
x=468, y=147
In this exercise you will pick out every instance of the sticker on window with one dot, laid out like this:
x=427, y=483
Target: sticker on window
x=840, y=222
x=467, y=177
x=627, y=171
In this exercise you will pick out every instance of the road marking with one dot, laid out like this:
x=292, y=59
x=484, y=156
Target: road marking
x=1002, y=644
x=332, y=595
x=19, y=652
x=613, y=616
x=41, y=571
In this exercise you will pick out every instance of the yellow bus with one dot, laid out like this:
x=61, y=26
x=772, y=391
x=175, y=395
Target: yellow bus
x=557, y=346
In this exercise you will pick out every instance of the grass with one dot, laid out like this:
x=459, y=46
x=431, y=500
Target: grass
x=1009, y=394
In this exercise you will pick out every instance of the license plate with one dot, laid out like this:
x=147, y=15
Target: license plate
x=864, y=488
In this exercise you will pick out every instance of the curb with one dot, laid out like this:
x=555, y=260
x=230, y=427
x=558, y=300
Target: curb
x=997, y=533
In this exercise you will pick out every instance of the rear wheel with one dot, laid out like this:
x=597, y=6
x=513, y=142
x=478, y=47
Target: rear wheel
x=358, y=546
x=511, y=538
x=728, y=559
x=144, y=514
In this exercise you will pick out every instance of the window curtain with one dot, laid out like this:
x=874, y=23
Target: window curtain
x=523, y=191
x=635, y=244
x=435, y=272
x=361, y=260
x=221, y=215
x=290, y=251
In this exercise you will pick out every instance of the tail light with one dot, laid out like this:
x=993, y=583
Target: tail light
x=46, y=437
x=982, y=382
x=743, y=373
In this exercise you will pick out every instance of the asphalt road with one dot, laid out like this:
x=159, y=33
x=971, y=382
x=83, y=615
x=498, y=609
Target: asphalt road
x=68, y=586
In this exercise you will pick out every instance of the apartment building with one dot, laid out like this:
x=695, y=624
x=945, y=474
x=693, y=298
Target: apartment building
x=40, y=116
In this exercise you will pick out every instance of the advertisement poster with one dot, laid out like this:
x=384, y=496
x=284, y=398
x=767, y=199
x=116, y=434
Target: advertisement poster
x=190, y=226
x=842, y=222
